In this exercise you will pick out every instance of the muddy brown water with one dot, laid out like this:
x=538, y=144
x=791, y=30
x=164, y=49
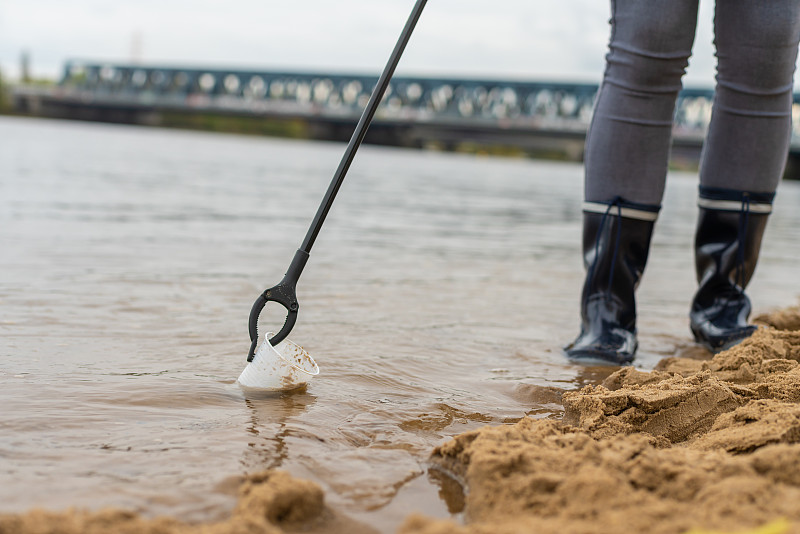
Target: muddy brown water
x=436, y=300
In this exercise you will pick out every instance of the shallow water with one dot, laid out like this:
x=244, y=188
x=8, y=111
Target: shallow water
x=436, y=300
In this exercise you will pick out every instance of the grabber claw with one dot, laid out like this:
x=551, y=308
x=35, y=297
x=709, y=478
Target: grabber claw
x=284, y=294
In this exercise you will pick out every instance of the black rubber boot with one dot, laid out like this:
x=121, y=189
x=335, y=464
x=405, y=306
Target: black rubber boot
x=727, y=242
x=616, y=241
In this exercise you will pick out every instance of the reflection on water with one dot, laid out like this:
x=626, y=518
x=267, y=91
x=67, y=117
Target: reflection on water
x=451, y=491
x=436, y=301
x=270, y=413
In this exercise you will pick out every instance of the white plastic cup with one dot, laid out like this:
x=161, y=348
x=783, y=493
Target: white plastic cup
x=283, y=367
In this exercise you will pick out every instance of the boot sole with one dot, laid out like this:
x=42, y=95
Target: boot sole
x=598, y=358
x=722, y=344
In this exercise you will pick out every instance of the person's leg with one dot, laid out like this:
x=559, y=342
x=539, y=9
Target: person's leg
x=748, y=136
x=743, y=159
x=627, y=149
x=627, y=145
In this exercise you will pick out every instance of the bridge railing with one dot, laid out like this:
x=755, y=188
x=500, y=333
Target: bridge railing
x=544, y=105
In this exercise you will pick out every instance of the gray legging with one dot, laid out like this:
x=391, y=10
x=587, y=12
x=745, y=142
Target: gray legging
x=627, y=146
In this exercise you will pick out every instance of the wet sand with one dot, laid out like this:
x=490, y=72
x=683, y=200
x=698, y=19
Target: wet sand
x=696, y=445
x=271, y=502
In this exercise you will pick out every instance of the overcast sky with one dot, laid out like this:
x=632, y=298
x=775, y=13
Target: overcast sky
x=518, y=39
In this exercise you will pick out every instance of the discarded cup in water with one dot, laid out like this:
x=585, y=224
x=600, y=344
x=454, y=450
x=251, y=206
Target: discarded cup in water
x=280, y=368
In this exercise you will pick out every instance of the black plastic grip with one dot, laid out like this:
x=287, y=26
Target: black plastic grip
x=284, y=294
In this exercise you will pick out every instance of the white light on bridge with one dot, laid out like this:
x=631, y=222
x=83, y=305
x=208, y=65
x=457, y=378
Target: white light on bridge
x=351, y=91
x=440, y=97
x=303, y=93
x=568, y=105
x=322, y=91
x=276, y=89
x=107, y=73
x=231, y=83
x=696, y=112
x=158, y=77
x=465, y=107
x=138, y=78
x=414, y=92
x=256, y=87
x=394, y=104
x=508, y=96
x=207, y=82
x=480, y=95
x=543, y=104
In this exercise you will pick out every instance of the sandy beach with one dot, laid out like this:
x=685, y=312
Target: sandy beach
x=696, y=445
x=693, y=446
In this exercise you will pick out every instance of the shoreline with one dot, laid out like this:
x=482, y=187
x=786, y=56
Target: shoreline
x=695, y=445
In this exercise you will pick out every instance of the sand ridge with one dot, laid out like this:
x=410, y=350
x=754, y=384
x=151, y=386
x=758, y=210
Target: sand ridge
x=694, y=445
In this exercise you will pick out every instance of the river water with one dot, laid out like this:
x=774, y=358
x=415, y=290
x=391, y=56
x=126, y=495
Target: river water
x=436, y=300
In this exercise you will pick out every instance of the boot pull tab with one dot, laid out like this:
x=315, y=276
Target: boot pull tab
x=616, y=201
x=741, y=235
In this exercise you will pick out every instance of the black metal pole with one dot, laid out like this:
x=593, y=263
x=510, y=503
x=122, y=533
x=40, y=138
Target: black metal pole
x=361, y=128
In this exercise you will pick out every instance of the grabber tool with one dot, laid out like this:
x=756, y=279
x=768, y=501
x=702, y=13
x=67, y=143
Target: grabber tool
x=285, y=292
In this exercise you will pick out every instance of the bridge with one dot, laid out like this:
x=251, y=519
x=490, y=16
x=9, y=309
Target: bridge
x=535, y=117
